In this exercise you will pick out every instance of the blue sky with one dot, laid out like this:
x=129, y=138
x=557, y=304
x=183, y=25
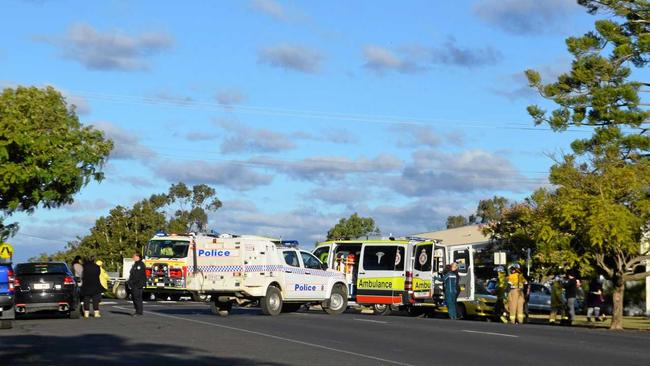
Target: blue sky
x=297, y=112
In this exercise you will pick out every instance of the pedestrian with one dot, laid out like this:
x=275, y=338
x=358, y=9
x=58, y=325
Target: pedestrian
x=516, y=281
x=137, y=281
x=595, y=298
x=501, y=305
x=77, y=269
x=103, y=276
x=452, y=288
x=92, y=288
x=557, y=301
x=571, y=292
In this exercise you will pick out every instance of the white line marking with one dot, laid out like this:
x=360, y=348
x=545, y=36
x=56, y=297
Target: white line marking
x=361, y=355
x=108, y=303
x=491, y=333
x=370, y=321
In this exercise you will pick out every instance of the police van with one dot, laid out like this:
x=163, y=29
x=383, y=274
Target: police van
x=404, y=274
x=251, y=270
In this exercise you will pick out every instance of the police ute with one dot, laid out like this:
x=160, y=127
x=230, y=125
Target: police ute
x=250, y=270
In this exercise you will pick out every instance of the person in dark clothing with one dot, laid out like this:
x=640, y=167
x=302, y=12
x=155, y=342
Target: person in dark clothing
x=571, y=292
x=137, y=281
x=595, y=298
x=92, y=288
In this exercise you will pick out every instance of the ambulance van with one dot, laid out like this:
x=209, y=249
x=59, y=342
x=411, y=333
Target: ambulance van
x=397, y=274
x=252, y=270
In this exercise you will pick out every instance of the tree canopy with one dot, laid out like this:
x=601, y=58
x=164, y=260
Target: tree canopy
x=456, y=221
x=352, y=228
x=46, y=154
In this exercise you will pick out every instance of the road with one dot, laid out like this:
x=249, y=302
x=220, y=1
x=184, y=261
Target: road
x=187, y=333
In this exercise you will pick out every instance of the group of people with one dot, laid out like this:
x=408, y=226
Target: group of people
x=92, y=280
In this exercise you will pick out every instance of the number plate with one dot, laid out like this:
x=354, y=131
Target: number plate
x=41, y=286
x=421, y=295
x=160, y=284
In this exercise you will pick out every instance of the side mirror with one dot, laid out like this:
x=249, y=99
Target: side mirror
x=323, y=266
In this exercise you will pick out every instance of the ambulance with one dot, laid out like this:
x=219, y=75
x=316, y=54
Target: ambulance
x=397, y=274
x=253, y=270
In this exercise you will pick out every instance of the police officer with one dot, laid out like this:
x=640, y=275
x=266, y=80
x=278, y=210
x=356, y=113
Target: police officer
x=137, y=281
x=516, y=280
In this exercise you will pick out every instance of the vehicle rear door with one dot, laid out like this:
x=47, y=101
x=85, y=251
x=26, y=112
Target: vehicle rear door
x=381, y=274
x=422, y=270
x=463, y=256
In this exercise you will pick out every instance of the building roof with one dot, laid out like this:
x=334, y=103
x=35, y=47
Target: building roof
x=470, y=234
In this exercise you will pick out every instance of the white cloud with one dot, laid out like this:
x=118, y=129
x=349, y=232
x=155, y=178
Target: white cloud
x=242, y=138
x=291, y=57
x=233, y=175
x=525, y=17
x=126, y=143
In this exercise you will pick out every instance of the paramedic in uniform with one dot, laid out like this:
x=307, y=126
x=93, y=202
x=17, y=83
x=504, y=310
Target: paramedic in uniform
x=516, y=280
x=137, y=281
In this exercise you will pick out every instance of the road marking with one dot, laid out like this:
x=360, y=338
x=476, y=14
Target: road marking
x=491, y=333
x=267, y=335
x=370, y=321
x=108, y=303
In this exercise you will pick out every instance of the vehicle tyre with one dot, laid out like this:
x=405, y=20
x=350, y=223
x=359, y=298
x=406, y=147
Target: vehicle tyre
x=221, y=308
x=338, y=301
x=272, y=303
x=6, y=324
x=198, y=297
x=121, y=292
x=290, y=307
x=381, y=309
x=414, y=312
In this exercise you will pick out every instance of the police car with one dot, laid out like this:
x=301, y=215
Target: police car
x=247, y=270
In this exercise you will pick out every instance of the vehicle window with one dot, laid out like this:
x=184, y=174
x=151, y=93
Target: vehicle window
x=167, y=249
x=383, y=258
x=423, y=258
x=291, y=258
x=41, y=268
x=322, y=253
x=480, y=289
x=462, y=258
x=309, y=261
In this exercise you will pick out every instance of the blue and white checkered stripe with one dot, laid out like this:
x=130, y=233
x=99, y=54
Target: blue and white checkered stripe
x=264, y=268
x=216, y=268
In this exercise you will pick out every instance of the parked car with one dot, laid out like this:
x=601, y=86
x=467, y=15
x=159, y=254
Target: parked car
x=6, y=296
x=46, y=286
x=481, y=307
x=540, y=298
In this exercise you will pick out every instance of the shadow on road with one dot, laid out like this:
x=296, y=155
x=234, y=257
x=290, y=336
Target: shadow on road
x=105, y=349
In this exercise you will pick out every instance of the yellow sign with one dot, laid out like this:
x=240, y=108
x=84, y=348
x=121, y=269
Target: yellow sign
x=6, y=251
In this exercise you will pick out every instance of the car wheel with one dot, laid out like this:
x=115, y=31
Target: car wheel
x=221, y=308
x=338, y=301
x=290, y=307
x=381, y=309
x=272, y=303
x=120, y=292
x=6, y=324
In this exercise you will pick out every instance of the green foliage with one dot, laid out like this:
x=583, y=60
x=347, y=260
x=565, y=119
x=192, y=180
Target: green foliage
x=126, y=230
x=46, y=155
x=456, y=221
x=352, y=228
x=491, y=209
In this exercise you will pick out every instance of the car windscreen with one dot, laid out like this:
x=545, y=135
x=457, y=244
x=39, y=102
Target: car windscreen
x=167, y=249
x=41, y=268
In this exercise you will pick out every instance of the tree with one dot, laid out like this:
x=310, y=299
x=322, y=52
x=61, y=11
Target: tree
x=46, y=155
x=192, y=206
x=490, y=209
x=456, y=221
x=352, y=228
x=602, y=187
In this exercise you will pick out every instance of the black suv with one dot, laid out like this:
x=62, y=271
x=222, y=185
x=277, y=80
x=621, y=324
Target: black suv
x=42, y=286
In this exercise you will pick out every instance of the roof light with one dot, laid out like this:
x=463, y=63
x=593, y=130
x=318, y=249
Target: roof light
x=161, y=233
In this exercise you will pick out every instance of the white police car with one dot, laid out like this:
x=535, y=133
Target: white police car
x=250, y=269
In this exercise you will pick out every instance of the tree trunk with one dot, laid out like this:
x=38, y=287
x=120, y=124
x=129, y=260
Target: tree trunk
x=617, y=302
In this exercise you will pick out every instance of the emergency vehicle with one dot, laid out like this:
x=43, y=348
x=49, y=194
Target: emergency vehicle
x=166, y=258
x=251, y=270
x=404, y=274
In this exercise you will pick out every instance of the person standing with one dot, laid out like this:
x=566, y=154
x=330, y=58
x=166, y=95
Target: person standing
x=92, y=288
x=571, y=292
x=517, y=281
x=557, y=302
x=137, y=281
x=594, y=298
x=501, y=305
x=452, y=288
x=77, y=269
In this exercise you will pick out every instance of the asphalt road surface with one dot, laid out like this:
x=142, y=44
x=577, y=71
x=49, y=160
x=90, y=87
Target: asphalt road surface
x=187, y=333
